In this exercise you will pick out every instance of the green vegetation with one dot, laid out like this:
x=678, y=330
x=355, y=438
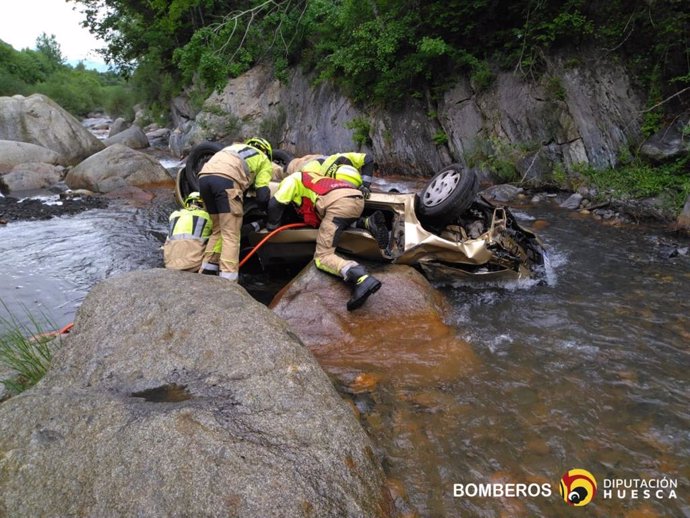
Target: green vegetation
x=440, y=138
x=383, y=51
x=554, y=89
x=379, y=52
x=560, y=176
x=361, y=129
x=499, y=157
x=637, y=179
x=76, y=89
x=24, y=350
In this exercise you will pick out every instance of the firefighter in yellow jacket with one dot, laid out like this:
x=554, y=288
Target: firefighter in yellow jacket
x=332, y=205
x=190, y=228
x=223, y=180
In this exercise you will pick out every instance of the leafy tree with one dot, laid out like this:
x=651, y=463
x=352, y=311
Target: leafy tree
x=76, y=89
x=49, y=48
x=387, y=50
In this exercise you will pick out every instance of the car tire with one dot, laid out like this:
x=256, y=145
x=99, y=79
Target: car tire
x=448, y=194
x=282, y=158
x=198, y=156
x=182, y=188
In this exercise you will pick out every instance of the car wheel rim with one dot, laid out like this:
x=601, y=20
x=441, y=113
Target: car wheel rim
x=441, y=188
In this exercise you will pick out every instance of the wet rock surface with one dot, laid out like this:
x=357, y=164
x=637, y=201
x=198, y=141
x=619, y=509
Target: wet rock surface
x=385, y=357
x=384, y=337
x=16, y=209
x=159, y=405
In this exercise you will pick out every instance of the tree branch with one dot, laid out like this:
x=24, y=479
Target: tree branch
x=666, y=100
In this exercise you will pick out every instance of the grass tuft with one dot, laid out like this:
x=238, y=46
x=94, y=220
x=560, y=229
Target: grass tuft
x=25, y=348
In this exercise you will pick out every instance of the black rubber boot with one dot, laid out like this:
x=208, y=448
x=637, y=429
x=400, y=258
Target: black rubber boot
x=363, y=285
x=376, y=225
x=210, y=271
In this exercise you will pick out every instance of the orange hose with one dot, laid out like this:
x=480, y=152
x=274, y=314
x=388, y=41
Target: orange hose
x=65, y=329
x=51, y=334
x=269, y=236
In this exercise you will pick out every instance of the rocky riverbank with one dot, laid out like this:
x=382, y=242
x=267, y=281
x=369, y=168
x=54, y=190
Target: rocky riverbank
x=46, y=206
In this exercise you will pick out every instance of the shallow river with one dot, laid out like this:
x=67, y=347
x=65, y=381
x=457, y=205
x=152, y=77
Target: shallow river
x=588, y=370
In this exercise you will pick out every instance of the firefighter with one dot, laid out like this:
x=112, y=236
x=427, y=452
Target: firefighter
x=223, y=180
x=332, y=205
x=363, y=162
x=190, y=228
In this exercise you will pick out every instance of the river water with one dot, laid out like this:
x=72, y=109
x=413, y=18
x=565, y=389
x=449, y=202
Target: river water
x=589, y=370
x=586, y=370
x=49, y=266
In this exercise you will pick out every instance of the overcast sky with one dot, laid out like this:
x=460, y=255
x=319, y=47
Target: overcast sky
x=23, y=21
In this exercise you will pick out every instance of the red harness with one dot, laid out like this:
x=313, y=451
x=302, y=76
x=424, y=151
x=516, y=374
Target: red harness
x=321, y=185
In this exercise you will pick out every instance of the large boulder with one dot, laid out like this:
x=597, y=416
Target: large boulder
x=132, y=137
x=115, y=167
x=118, y=125
x=13, y=153
x=667, y=144
x=166, y=401
x=398, y=333
x=182, y=110
x=159, y=137
x=39, y=120
x=32, y=175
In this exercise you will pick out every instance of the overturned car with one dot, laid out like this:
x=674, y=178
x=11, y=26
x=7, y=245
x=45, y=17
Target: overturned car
x=447, y=230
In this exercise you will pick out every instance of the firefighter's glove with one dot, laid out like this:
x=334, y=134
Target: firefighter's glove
x=366, y=192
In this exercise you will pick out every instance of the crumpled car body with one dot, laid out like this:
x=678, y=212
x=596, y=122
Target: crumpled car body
x=501, y=249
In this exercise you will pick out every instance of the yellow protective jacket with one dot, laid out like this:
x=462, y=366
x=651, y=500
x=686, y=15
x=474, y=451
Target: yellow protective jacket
x=363, y=162
x=188, y=233
x=303, y=189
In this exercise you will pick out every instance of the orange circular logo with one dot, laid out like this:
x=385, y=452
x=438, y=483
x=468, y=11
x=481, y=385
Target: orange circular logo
x=578, y=487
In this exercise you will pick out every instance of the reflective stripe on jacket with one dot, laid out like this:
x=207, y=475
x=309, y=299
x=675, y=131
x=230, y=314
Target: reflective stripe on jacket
x=363, y=162
x=260, y=168
x=189, y=224
x=257, y=168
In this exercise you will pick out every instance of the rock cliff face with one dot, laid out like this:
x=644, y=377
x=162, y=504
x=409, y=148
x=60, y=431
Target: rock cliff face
x=581, y=114
x=197, y=405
